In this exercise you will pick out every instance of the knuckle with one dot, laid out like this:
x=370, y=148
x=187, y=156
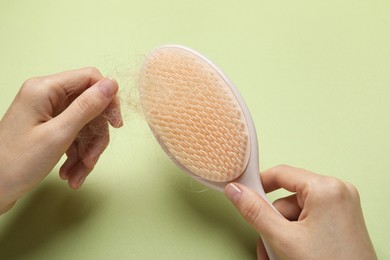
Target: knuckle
x=92, y=71
x=353, y=190
x=31, y=82
x=34, y=86
x=30, y=86
x=252, y=212
x=280, y=168
x=334, y=189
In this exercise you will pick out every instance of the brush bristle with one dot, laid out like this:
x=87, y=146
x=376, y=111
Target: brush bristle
x=193, y=113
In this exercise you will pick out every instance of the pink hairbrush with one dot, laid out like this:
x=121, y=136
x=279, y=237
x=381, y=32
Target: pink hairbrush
x=199, y=118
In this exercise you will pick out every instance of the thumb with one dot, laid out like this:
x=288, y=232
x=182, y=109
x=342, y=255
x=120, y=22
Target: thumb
x=255, y=210
x=90, y=104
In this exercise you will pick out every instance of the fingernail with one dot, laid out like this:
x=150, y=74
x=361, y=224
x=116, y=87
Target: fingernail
x=233, y=192
x=108, y=87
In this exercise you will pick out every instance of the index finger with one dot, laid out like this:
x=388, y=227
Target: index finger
x=287, y=177
x=74, y=82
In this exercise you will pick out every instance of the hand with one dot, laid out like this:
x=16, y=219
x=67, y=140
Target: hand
x=63, y=113
x=323, y=219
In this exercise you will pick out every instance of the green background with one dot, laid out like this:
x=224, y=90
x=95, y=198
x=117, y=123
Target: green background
x=315, y=74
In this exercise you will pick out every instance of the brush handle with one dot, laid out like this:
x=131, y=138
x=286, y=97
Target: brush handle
x=252, y=180
x=250, y=176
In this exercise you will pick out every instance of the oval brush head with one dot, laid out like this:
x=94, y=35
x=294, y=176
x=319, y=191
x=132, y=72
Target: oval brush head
x=194, y=114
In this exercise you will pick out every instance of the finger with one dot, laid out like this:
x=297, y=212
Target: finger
x=78, y=174
x=288, y=207
x=113, y=113
x=255, y=210
x=90, y=104
x=70, y=162
x=89, y=150
x=287, y=177
x=95, y=148
x=74, y=82
x=261, y=252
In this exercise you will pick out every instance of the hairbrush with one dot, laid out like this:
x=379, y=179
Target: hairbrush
x=199, y=118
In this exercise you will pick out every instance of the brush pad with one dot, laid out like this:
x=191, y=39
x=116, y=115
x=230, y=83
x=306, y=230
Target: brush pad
x=194, y=114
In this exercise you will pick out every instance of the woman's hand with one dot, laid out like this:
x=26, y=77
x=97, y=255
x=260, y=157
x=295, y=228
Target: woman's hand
x=63, y=113
x=322, y=219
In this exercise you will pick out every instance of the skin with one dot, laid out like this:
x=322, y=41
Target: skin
x=323, y=219
x=66, y=113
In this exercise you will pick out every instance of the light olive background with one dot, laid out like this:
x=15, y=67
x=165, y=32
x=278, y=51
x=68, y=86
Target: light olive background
x=315, y=74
